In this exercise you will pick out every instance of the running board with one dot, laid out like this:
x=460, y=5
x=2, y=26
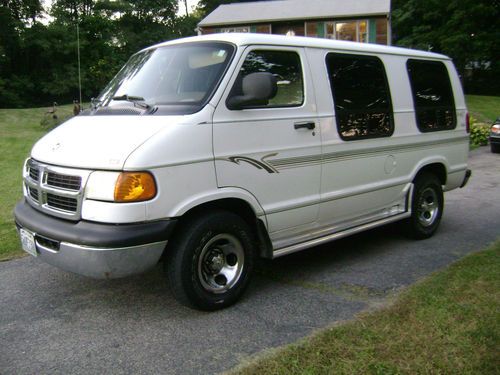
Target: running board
x=335, y=236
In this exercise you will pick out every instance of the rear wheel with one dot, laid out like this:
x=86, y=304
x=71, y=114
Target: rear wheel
x=210, y=261
x=426, y=207
x=495, y=148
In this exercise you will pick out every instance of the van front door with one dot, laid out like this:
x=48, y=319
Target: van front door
x=273, y=150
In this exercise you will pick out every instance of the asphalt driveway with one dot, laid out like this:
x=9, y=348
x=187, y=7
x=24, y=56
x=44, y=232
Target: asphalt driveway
x=53, y=322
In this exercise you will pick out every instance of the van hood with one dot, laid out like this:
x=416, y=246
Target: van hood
x=98, y=142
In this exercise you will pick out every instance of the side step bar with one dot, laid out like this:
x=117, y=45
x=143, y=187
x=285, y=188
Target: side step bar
x=334, y=236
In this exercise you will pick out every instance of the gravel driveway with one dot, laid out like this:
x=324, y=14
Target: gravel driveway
x=53, y=322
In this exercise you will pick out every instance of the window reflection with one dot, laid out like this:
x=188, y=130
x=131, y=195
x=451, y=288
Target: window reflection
x=287, y=69
x=432, y=95
x=171, y=75
x=363, y=106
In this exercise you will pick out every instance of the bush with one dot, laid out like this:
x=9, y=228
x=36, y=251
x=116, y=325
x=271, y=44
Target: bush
x=479, y=133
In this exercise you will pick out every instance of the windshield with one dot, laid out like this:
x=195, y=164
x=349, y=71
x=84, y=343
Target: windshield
x=184, y=74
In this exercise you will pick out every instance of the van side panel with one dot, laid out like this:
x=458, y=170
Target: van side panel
x=261, y=151
x=368, y=179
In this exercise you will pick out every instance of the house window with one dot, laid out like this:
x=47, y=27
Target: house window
x=354, y=31
x=239, y=29
x=346, y=31
x=432, y=95
x=362, y=32
x=361, y=95
x=289, y=28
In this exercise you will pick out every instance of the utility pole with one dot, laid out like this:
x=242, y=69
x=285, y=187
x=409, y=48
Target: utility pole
x=186, y=5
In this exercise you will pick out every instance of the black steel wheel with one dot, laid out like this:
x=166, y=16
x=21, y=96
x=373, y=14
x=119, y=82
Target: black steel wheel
x=210, y=260
x=426, y=207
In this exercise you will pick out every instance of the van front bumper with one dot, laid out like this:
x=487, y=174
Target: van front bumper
x=93, y=249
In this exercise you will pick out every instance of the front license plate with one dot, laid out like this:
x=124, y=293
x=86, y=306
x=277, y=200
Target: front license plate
x=28, y=242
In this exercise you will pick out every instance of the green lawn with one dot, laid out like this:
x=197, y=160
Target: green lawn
x=20, y=128
x=484, y=108
x=446, y=324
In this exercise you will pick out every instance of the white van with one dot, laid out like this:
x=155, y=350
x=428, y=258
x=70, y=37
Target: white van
x=209, y=151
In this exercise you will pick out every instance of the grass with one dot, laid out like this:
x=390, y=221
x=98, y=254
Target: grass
x=484, y=108
x=447, y=324
x=19, y=129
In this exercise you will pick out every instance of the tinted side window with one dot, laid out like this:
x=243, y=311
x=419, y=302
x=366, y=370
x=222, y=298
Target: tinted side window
x=287, y=69
x=432, y=95
x=361, y=96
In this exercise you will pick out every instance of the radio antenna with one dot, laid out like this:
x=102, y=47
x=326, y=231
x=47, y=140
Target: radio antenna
x=78, y=52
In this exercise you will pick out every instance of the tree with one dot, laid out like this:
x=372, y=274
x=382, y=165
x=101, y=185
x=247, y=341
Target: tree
x=466, y=30
x=38, y=63
x=15, y=15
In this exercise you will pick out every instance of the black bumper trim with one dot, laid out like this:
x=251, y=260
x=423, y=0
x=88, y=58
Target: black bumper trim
x=468, y=173
x=87, y=233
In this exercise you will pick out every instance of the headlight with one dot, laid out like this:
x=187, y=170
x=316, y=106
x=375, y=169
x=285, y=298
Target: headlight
x=495, y=129
x=120, y=187
x=101, y=186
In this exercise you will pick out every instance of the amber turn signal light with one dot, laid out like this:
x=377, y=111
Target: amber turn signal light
x=134, y=187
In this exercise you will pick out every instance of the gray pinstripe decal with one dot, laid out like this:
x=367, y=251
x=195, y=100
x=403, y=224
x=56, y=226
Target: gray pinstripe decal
x=275, y=165
x=259, y=164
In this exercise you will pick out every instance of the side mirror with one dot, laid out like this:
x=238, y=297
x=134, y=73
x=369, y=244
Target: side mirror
x=256, y=88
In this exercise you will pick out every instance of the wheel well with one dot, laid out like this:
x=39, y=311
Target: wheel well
x=246, y=212
x=437, y=169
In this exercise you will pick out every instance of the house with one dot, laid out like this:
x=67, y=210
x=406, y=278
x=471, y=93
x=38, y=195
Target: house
x=366, y=21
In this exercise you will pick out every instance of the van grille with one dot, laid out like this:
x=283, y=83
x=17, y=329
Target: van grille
x=62, y=203
x=64, y=181
x=54, y=190
x=34, y=173
x=33, y=193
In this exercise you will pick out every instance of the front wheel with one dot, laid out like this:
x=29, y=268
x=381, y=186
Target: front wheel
x=495, y=148
x=210, y=260
x=426, y=207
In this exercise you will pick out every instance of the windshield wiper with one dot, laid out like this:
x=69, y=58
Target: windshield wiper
x=139, y=100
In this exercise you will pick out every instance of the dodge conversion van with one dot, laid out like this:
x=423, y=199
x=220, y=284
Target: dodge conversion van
x=210, y=151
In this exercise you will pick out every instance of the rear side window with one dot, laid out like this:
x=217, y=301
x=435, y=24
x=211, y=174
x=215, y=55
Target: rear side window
x=285, y=66
x=361, y=96
x=432, y=95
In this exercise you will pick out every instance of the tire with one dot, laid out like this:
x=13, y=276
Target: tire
x=426, y=207
x=210, y=261
x=495, y=148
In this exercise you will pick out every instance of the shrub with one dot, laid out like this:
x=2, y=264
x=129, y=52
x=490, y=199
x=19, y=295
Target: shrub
x=479, y=133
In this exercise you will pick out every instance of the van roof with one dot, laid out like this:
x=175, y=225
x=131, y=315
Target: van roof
x=243, y=39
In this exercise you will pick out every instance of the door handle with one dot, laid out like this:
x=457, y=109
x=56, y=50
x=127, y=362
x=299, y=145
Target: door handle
x=306, y=124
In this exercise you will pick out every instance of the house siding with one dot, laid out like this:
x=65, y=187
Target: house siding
x=378, y=28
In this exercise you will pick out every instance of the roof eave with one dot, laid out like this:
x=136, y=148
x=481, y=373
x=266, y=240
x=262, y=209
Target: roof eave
x=252, y=22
